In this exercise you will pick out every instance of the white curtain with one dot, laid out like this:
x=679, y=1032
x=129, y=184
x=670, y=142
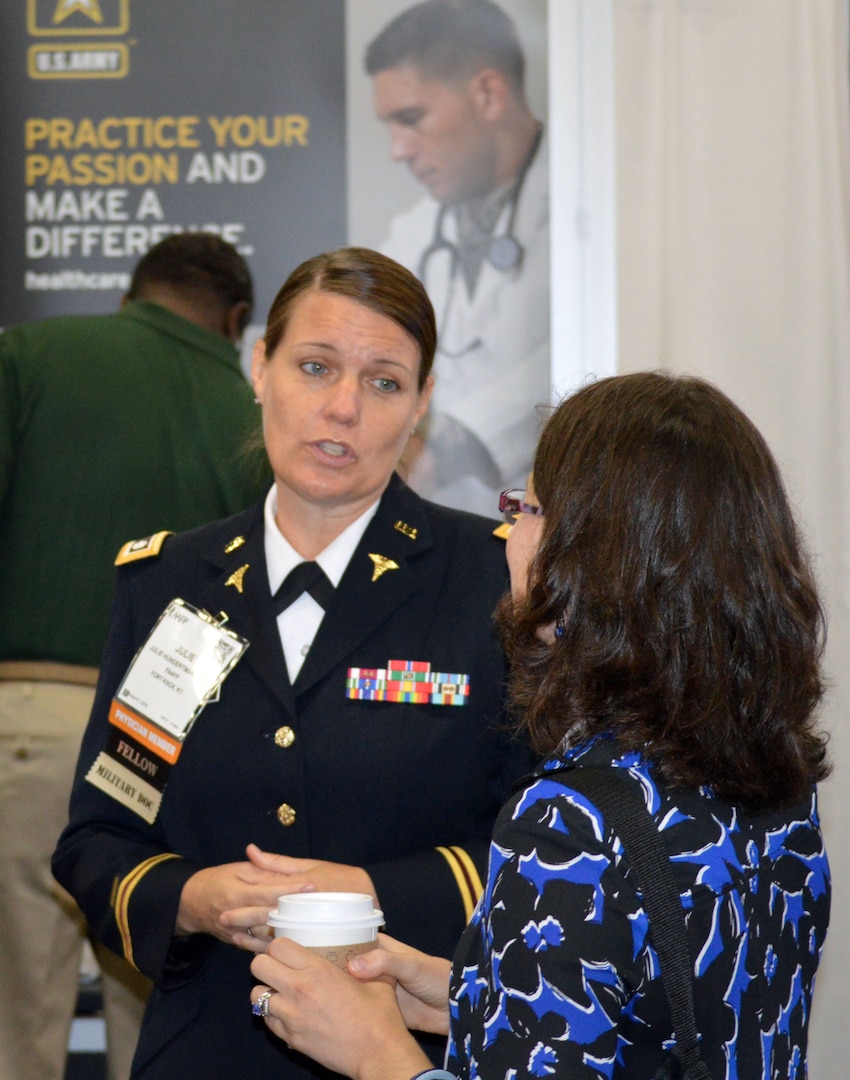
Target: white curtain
x=733, y=243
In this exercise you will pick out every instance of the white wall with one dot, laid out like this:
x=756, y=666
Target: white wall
x=733, y=194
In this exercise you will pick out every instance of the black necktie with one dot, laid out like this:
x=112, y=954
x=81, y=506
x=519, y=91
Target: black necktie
x=305, y=577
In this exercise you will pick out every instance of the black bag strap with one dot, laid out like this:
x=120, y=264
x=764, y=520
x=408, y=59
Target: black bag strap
x=624, y=809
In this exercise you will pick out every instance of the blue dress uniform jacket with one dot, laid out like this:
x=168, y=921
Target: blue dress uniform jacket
x=377, y=784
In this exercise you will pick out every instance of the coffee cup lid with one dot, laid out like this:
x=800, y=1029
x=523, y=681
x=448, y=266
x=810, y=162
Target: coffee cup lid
x=319, y=908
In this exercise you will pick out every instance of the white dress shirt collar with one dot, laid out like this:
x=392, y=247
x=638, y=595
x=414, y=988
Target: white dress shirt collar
x=281, y=556
x=298, y=625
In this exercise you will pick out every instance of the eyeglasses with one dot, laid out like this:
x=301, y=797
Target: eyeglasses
x=512, y=502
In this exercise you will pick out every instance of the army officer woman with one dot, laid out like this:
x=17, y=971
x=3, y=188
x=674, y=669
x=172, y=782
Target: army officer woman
x=305, y=696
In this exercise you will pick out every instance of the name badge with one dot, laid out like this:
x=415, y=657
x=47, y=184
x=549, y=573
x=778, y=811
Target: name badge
x=180, y=668
x=177, y=672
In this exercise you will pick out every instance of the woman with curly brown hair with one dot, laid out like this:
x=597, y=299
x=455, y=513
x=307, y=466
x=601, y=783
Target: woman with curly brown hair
x=664, y=628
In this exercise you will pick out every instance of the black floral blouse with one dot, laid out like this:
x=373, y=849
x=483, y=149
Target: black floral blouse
x=557, y=976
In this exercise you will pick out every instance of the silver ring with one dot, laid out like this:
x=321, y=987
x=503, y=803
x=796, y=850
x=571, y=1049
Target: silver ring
x=261, y=1005
x=249, y=932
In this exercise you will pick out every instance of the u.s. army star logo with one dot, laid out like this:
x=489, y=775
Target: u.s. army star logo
x=382, y=564
x=64, y=8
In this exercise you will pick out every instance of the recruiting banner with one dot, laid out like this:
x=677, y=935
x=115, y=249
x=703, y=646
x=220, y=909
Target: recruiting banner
x=291, y=128
x=125, y=120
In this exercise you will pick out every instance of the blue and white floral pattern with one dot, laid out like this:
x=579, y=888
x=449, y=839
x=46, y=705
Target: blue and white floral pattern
x=557, y=976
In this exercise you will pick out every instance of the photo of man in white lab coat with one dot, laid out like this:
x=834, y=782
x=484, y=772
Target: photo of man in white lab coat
x=448, y=82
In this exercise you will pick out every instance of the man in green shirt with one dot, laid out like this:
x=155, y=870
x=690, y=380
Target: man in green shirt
x=111, y=427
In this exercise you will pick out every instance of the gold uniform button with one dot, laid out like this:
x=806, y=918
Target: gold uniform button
x=284, y=737
x=285, y=814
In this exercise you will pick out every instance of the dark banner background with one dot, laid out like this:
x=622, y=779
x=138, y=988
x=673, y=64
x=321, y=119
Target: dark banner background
x=259, y=154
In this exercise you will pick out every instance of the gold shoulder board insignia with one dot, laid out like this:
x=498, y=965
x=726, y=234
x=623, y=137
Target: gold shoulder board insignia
x=142, y=549
x=382, y=564
x=503, y=531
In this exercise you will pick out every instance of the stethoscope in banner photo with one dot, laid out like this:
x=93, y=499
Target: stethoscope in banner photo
x=504, y=253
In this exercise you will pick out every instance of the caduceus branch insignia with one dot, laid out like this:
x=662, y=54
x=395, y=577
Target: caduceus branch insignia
x=382, y=564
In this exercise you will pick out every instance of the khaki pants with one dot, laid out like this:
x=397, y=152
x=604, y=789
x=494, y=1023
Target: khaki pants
x=41, y=929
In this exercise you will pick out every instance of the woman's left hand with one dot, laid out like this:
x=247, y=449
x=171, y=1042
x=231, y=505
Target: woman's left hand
x=296, y=875
x=323, y=876
x=351, y=1027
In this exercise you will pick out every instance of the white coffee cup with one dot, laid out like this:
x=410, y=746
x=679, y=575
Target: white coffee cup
x=337, y=925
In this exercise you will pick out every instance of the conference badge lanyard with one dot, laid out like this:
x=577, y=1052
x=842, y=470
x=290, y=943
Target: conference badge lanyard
x=176, y=673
